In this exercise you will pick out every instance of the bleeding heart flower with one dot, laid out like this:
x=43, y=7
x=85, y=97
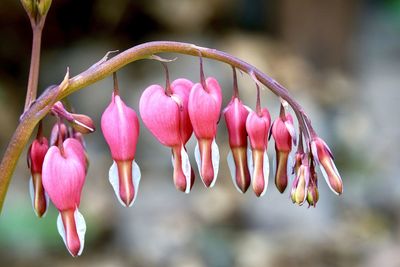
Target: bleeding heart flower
x=324, y=157
x=235, y=116
x=63, y=179
x=36, y=154
x=257, y=127
x=284, y=134
x=120, y=127
x=165, y=114
x=204, y=111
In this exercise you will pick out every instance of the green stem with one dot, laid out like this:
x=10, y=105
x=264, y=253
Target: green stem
x=103, y=69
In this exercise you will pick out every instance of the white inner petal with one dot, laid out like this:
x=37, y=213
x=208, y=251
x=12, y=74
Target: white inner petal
x=136, y=176
x=187, y=170
x=61, y=230
x=80, y=228
x=292, y=131
x=215, y=161
x=232, y=169
x=250, y=162
x=265, y=172
x=32, y=194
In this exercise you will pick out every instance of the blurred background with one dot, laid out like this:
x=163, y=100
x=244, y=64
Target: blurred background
x=339, y=58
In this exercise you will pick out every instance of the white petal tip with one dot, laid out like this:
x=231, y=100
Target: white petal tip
x=215, y=161
x=187, y=169
x=114, y=181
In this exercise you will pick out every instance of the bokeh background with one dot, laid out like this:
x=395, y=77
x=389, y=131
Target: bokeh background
x=339, y=58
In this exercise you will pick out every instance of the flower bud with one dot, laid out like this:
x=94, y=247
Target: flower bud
x=283, y=133
x=81, y=123
x=312, y=191
x=324, y=158
x=257, y=127
x=300, y=184
x=29, y=6
x=235, y=116
x=36, y=154
x=63, y=179
x=204, y=111
x=43, y=6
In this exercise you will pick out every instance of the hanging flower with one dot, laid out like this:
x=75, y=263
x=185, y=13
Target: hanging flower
x=257, y=127
x=205, y=102
x=312, y=191
x=324, y=157
x=36, y=154
x=63, y=179
x=301, y=182
x=165, y=114
x=120, y=127
x=284, y=134
x=235, y=116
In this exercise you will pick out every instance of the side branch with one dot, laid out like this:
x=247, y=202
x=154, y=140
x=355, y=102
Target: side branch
x=100, y=71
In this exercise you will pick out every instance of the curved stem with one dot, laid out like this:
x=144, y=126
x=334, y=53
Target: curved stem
x=104, y=68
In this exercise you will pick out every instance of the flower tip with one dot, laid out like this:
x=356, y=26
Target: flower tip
x=83, y=124
x=126, y=189
x=38, y=196
x=124, y=176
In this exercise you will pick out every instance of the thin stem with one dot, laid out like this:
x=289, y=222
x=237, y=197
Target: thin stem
x=167, y=83
x=115, y=81
x=202, y=76
x=235, y=84
x=31, y=90
x=258, y=101
x=39, y=134
x=60, y=138
x=104, y=68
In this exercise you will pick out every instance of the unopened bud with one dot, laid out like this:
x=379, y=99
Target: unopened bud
x=43, y=6
x=82, y=123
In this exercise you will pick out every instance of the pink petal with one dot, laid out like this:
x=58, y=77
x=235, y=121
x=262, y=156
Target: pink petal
x=257, y=129
x=63, y=177
x=181, y=88
x=161, y=115
x=120, y=127
x=235, y=116
x=204, y=108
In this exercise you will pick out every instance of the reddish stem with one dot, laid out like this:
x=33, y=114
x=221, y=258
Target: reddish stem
x=235, y=84
x=115, y=81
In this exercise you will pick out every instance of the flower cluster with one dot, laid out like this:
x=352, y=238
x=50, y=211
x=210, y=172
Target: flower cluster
x=172, y=114
x=59, y=171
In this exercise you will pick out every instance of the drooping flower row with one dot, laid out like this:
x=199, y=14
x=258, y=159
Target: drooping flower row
x=172, y=114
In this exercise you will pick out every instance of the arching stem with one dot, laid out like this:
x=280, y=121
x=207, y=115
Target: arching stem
x=105, y=68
